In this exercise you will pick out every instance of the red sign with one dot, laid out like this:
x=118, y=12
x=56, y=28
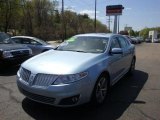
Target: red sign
x=114, y=11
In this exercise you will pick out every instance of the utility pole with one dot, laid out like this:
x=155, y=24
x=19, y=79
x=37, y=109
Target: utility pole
x=115, y=25
x=95, y=25
x=118, y=23
x=63, y=23
x=109, y=23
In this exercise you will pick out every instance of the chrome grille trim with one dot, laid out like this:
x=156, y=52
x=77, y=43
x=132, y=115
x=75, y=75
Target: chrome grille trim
x=20, y=52
x=25, y=74
x=44, y=80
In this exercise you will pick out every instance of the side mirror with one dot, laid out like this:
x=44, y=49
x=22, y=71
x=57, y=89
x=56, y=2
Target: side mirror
x=116, y=51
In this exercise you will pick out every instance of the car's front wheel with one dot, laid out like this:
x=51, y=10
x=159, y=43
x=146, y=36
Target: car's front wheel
x=100, y=90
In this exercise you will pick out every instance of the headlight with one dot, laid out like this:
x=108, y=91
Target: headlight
x=7, y=54
x=19, y=72
x=65, y=79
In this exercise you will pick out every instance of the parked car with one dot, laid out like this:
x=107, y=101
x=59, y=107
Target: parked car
x=135, y=40
x=156, y=40
x=140, y=39
x=11, y=53
x=128, y=37
x=37, y=45
x=80, y=70
x=148, y=40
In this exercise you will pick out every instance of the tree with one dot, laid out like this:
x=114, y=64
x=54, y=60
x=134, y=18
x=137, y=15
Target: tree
x=27, y=19
x=136, y=33
x=40, y=18
x=101, y=27
x=145, y=32
x=9, y=11
x=131, y=33
x=123, y=32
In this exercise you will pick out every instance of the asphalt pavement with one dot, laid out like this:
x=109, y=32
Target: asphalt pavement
x=134, y=97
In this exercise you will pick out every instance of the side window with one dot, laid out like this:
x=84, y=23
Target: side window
x=115, y=43
x=33, y=42
x=123, y=42
x=17, y=40
x=26, y=41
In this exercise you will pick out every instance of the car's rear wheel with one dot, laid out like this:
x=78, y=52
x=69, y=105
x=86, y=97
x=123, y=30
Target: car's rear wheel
x=132, y=67
x=100, y=90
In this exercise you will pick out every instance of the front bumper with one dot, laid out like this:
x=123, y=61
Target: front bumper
x=65, y=95
x=14, y=60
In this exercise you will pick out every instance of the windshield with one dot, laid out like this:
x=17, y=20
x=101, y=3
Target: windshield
x=84, y=44
x=41, y=41
x=5, y=39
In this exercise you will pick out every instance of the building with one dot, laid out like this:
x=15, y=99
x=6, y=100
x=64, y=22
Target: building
x=153, y=35
x=127, y=28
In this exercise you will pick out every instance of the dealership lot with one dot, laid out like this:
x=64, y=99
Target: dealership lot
x=133, y=98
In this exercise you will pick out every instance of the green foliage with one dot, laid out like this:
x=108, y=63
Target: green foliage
x=41, y=18
x=131, y=33
x=144, y=32
x=10, y=11
x=136, y=33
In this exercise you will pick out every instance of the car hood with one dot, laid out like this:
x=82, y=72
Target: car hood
x=60, y=62
x=50, y=46
x=11, y=47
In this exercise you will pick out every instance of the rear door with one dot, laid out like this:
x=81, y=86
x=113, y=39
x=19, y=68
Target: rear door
x=34, y=45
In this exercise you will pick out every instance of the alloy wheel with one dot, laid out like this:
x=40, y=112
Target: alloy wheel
x=101, y=90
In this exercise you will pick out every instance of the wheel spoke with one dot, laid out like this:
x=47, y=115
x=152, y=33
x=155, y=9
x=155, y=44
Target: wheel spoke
x=101, y=90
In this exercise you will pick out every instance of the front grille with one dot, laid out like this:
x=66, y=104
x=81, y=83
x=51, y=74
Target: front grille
x=20, y=52
x=36, y=97
x=44, y=79
x=25, y=74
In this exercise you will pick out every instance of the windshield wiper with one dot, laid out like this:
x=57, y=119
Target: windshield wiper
x=80, y=51
x=72, y=50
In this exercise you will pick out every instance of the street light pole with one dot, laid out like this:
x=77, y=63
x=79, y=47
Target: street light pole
x=118, y=23
x=63, y=23
x=95, y=25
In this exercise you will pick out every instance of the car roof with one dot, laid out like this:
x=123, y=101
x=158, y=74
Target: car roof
x=98, y=34
x=23, y=37
x=33, y=38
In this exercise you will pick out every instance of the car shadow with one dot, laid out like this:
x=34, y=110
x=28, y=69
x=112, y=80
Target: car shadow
x=9, y=71
x=120, y=97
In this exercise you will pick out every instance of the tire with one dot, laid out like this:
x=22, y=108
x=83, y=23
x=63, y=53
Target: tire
x=100, y=90
x=132, y=67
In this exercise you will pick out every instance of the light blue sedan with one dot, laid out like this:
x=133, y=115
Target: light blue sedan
x=80, y=70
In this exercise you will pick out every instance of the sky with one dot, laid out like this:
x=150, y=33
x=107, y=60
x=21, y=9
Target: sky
x=137, y=14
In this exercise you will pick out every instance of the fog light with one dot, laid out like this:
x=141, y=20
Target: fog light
x=70, y=101
x=75, y=99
